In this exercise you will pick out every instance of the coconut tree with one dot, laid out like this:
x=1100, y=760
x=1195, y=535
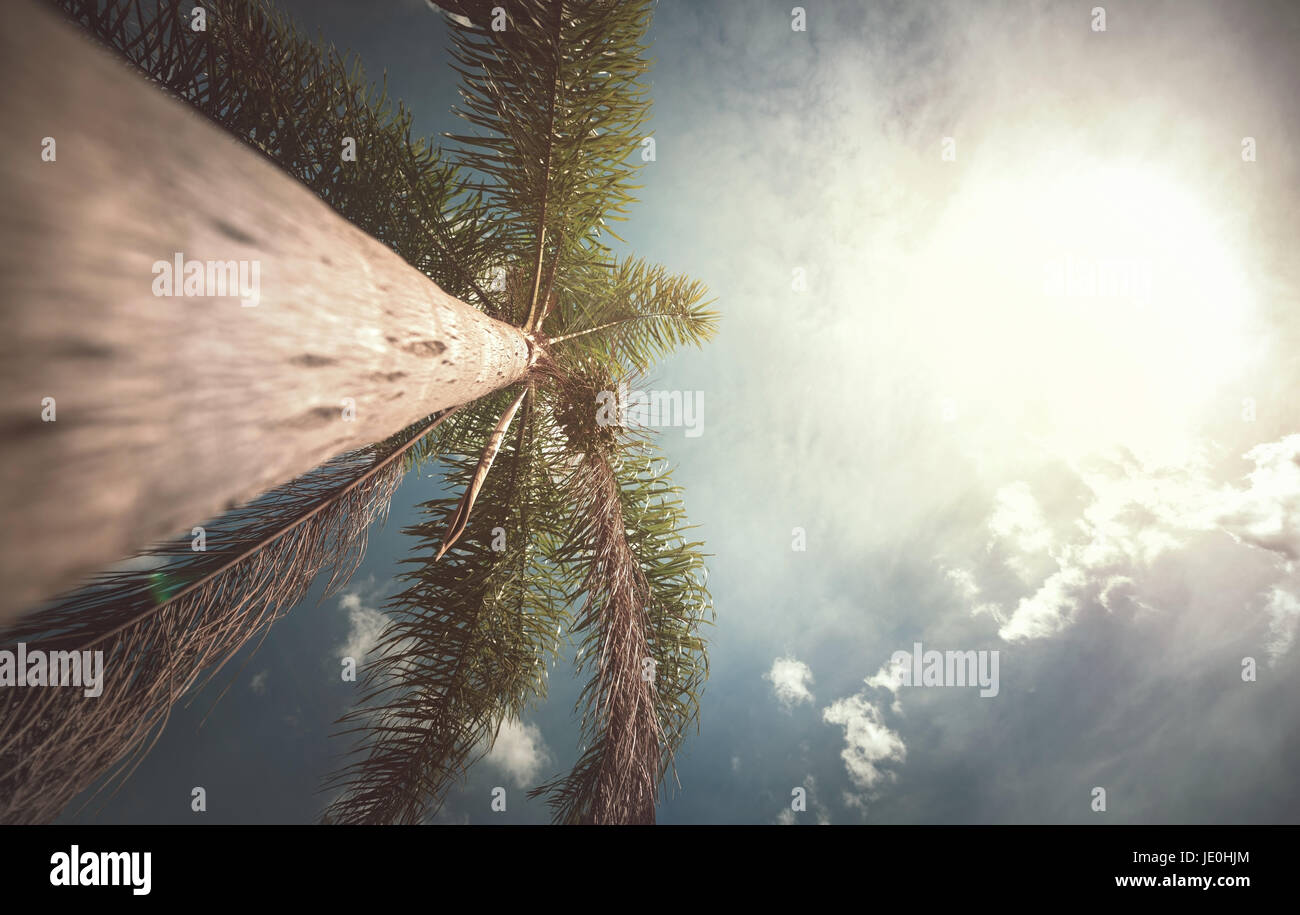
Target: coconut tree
x=563, y=522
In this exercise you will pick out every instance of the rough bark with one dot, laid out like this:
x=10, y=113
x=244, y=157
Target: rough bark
x=170, y=410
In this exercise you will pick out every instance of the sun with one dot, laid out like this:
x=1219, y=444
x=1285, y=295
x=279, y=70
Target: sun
x=1086, y=303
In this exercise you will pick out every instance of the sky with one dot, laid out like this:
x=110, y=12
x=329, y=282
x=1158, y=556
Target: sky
x=1006, y=364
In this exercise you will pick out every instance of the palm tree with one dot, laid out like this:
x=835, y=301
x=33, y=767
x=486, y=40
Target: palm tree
x=168, y=412
x=564, y=522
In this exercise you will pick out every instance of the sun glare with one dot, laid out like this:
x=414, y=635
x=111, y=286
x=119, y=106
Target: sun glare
x=1086, y=307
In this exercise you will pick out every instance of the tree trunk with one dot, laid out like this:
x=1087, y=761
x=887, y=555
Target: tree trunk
x=168, y=410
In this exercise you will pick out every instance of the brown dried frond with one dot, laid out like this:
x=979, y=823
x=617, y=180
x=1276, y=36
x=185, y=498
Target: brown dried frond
x=159, y=631
x=617, y=778
x=580, y=394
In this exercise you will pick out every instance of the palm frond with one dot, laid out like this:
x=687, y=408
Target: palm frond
x=630, y=313
x=644, y=597
x=175, y=613
x=558, y=106
x=467, y=645
x=461, y=518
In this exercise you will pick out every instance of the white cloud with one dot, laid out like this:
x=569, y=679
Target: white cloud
x=457, y=17
x=968, y=590
x=519, y=752
x=366, y=626
x=1284, y=612
x=964, y=582
x=1267, y=513
x=1137, y=515
x=1051, y=608
x=868, y=742
x=1018, y=519
x=790, y=681
x=890, y=677
x=258, y=683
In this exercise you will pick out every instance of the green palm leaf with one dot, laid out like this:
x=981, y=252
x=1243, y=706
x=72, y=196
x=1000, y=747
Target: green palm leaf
x=468, y=642
x=630, y=313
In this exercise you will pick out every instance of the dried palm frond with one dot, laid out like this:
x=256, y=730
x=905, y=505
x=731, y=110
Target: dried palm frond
x=175, y=614
x=620, y=769
x=461, y=518
x=644, y=599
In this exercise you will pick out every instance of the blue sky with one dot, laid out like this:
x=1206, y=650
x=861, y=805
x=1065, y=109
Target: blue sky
x=1103, y=487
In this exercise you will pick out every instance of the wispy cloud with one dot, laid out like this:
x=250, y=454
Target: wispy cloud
x=365, y=626
x=519, y=752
